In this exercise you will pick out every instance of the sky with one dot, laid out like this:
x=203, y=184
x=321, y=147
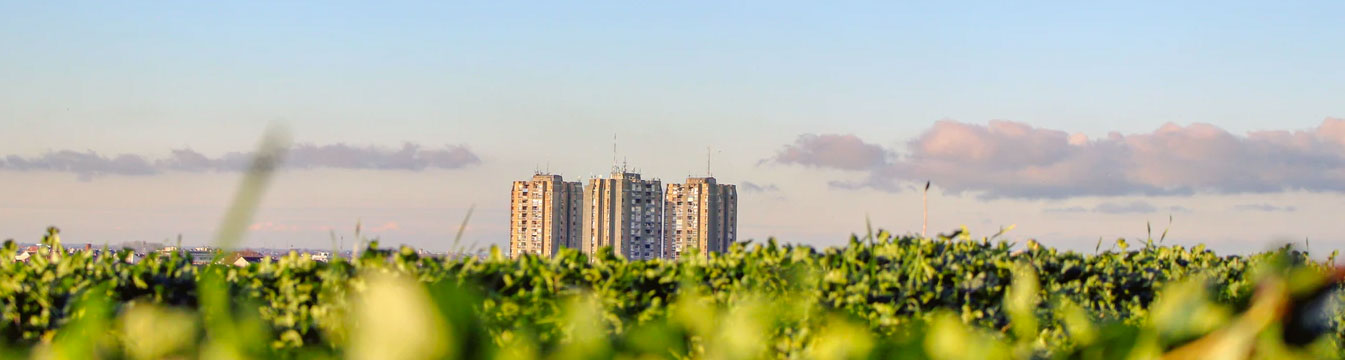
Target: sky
x=1072, y=122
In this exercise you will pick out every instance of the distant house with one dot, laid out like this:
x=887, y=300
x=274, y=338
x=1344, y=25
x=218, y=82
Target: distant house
x=169, y=251
x=201, y=256
x=245, y=257
x=27, y=253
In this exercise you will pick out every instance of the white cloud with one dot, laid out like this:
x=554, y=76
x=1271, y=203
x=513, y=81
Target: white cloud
x=1133, y=207
x=748, y=186
x=1007, y=159
x=846, y=152
x=89, y=164
x=1263, y=207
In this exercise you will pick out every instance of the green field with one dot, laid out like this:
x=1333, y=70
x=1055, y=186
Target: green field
x=881, y=296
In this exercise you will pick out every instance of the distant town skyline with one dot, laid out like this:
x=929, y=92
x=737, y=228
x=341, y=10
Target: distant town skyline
x=1074, y=122
x=636, y=217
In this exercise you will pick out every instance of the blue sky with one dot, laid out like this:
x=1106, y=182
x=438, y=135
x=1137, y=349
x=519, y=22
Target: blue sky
x=512, y=79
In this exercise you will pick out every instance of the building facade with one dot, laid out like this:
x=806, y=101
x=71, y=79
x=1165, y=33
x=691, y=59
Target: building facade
x=545, y=215
x=626, y=213
x=701, y=214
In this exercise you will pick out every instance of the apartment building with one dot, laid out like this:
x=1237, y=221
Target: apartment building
x=626, y=213
x=701, y=214
x=544, y=215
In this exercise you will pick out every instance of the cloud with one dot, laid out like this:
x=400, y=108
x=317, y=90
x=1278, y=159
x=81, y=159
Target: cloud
x=1264, y=208
x=1066, y=210
x=409, y=157
x=388, y=226
x=268, y=226
x=1178, y=209
x=89, y=164
x=846, y=152
x=1005, y=159
x=749, y=186
x=1134, y=207
x=86, y=165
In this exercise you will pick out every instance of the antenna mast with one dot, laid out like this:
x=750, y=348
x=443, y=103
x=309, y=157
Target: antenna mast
x=614, y=152
x=924, y=198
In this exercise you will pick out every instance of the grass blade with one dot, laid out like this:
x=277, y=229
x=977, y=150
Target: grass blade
x=270, y=153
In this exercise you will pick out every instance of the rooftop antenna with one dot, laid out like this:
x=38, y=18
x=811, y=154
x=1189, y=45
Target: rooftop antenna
x=614, y=152
x=925, y=199
x=707, y=162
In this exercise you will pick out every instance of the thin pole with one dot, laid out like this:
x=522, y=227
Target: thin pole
x=925, y=199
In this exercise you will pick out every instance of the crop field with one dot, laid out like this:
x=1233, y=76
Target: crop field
x=881, y=296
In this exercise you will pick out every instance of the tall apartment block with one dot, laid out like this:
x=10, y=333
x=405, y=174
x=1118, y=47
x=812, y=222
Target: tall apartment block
x=545, y=215
x=700, y=214
x=626, y=213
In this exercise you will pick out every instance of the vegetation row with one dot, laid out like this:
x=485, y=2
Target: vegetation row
x=880, y=296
